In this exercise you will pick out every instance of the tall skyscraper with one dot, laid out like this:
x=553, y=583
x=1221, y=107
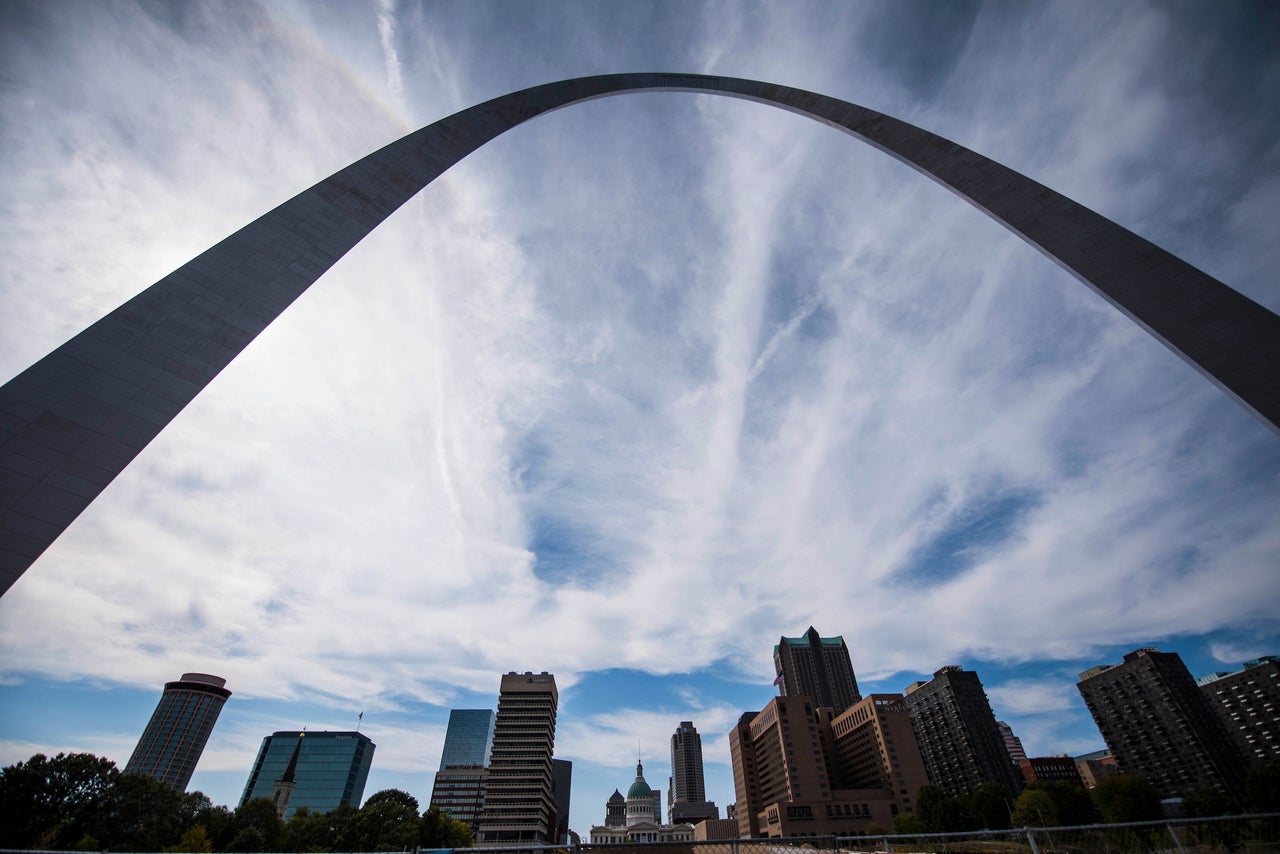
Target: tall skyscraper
x=459, y=785
x=328, y=769
x=1012, y=744
x=957, y=733
x=468, y=741
x=1159, y=724
x=818, y=668
x=179, y=728
x=1248, y=704
x=686, y=790
x=519, y=806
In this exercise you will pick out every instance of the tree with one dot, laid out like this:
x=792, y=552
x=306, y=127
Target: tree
x=1207, y=803
x=388, y=821
x=249, y=839
x=308, y=831
x=989, y=807
x=257, y=814
x=437, y=829
x=1035, y=808
x=904, y=823
x=1262, y=788
x=195, y=839
x=143, y=814
x=1127, y=797
x=219, y=821
x=54, y=803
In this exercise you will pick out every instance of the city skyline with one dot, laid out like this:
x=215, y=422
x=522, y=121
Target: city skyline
x=708, y=348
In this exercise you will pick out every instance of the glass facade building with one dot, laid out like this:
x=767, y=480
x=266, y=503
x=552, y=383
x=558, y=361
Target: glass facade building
x=179, y=728
x=469, y=740
x=332, y=769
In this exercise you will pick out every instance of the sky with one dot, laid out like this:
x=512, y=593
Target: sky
x=646, y=383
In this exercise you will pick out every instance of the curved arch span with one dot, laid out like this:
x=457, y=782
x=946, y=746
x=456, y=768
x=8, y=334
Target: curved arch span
x=72, y=422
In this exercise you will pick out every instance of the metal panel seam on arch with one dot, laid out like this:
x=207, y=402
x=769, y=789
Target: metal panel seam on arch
x=74, y=420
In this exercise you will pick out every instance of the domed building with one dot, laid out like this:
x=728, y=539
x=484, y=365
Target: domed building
x=636, y=817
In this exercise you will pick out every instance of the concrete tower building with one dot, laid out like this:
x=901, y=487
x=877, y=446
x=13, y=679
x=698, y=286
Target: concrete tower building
x=519, y=802
x=686, y=791
x=818, y=668
x=957, y=733
x=1159, y=724
x=179, y=728
x=317, y=770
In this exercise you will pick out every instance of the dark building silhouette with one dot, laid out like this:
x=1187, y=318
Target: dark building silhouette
x=561, y=787
x=818, y=668
x=957, y=734
x=1248, y=704
x=519, y=803
x=686, y=790
x=1158, y=723
x=325, y=770
x=179, y=728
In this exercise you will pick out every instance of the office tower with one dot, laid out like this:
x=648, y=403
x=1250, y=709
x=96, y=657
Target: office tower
x=818, y=668
x=459, y=791
x=328, y=769
x=781, y=775
x=1095, y=767
x=1012, y=743
x=519, y=808
x=874, y=746
x=458, y=787
x=1159, y=724
x=179, y=728
x=561, y=788
x=686, y=791
x=957, y=734
x=469, y=739
x=1248, y=704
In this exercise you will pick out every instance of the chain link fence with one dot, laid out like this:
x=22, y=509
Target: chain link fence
x=1250, y=834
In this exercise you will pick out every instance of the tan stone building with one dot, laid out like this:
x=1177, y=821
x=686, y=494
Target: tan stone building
x=801, y=771
x=519, y=806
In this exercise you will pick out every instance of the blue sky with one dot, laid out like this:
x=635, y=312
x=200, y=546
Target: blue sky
x=646, y=383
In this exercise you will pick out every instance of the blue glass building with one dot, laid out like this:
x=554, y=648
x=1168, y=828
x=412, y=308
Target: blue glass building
x=469, y=740
x=331, y=770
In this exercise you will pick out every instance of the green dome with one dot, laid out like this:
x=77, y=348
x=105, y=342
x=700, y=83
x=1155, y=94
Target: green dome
x=639, y=789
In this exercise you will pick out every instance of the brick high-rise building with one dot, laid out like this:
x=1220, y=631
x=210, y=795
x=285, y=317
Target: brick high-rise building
x=783, y=779
x=179, y=728
x=874, y=746
x=519, y=801
x=1248, y=704
x=1159, y=724
x=957, y=733
x=818, y=668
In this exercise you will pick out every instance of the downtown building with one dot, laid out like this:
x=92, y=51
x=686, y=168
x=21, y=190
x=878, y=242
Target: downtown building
x=1248, y=704
x=800, y=770
x=519, y=798
x=459, y=784
x=818, y=668
x=686, y=789
x=179, y=728
x=1158, y=723
x=637, y=818
x=317, y=770
x=957, y=734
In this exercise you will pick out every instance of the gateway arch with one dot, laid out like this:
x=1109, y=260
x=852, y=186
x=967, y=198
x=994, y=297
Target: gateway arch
x=72, y=422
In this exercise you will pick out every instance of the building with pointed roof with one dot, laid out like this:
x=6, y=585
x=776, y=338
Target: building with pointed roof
x=818, y=668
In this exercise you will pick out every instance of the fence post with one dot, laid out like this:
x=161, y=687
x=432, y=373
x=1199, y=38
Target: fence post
x=1176, y=841
x=887, y=849
x=1031, y=839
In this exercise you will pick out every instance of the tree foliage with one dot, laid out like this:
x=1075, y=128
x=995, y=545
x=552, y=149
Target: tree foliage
x=1127, y=797
x=438, y=829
